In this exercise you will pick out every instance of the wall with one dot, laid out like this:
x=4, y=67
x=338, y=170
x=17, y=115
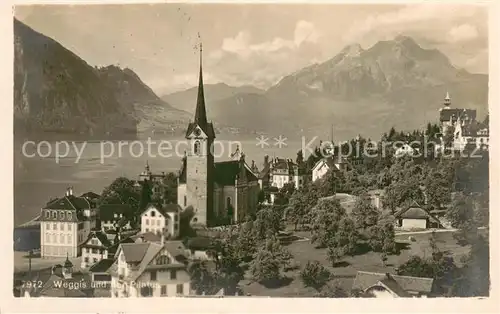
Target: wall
x=414, y=223
x=154, y=224
x=181, y=192
x=196, y=186
x=94, y=255
x=59, y=242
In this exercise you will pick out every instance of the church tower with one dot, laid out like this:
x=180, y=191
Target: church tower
x=200, y=161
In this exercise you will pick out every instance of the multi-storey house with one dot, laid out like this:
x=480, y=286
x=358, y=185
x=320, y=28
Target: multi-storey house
x=161, y=220
x=65, y=224
x=150, y=270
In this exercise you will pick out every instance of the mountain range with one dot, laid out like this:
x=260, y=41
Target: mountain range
x=393, y=83
x=358, y=91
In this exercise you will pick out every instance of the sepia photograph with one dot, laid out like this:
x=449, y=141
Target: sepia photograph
x=223, y=150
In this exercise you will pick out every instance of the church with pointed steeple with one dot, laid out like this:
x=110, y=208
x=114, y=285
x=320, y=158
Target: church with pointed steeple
x=219, y=193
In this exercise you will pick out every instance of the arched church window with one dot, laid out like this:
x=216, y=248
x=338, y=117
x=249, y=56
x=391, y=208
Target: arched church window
x=197, y=148
x=228, y=202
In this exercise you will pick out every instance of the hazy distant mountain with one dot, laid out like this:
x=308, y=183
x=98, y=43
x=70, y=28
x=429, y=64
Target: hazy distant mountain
x=186, y=99
x=57, y=91
x=394, y=82
x=153, y=113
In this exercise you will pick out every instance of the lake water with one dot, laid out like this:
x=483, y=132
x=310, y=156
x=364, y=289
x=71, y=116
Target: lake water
x=38, y=179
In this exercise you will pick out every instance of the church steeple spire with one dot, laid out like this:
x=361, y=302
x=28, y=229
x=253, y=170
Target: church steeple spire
x=201, y=114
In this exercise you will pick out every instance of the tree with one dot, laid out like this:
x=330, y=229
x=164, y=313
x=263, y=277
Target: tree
x=365, y=215
x=203, y=281
x=325, y=221
x=246, y=241
x=269, y=262
x=121, y=191
x=284, y=194
x=170, y=188
x=382, y=237
x=145, y=195
x=268, y=221
x=461, y=215
x=315, y=275
x=228, y=269
x=332, y=291
x=300, y=158
x=300, y=204
x=475, y=280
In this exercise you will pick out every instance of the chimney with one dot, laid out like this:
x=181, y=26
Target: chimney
x=162, y=239
x=253, y=164
x=70, y=190
x=388, y=276
x=266, y=161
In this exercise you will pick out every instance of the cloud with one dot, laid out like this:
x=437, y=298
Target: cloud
x=262, y=63
x=430, y=19
x=463, y=32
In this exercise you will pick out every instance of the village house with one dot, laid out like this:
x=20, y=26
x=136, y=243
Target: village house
x=94, y=248
x=448, y=116
x=65, y=224
x=415, y=217
x=380, y=285
x=150, y=270
x=474, y=134
x=376, y=198
x=218, y=192
x=161, y=219
x=112, y=216
x=328, y=164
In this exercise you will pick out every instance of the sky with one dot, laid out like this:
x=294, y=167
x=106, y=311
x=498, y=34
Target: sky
x=250, y=44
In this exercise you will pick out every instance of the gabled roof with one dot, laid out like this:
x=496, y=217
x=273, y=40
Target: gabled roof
x=226, y=172
x=147, y=237
x=414, y=211
x=144, y=253
x=90, y=195
x=392, y=285
x=102, y=266
x=69, y=202
x=365, y=280
x=163, y=209
x=134, y=252
x=101, y=236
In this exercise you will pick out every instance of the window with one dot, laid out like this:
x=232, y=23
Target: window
x=62, y=226
x=69, y=239
x=147, y=221
x=70, y=216
x=47, y=226
x=54, y=226
x=86, y=259
x=61, y=215
x=173, y=274
x=54, y=239
x=153, y=276
x=69, y=226
x=47, y=237
x=157, y=222
x=47, y=214
x=54, y=215
x=95, y=260
x=94, y=241
x=185, y=200
x=196, y=147
x=62, y=238
x=153, y=213
x=94, y=251
x=163, y=290
x=180, y=289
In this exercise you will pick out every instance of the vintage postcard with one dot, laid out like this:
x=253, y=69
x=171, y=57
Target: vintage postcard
x=234, y=151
